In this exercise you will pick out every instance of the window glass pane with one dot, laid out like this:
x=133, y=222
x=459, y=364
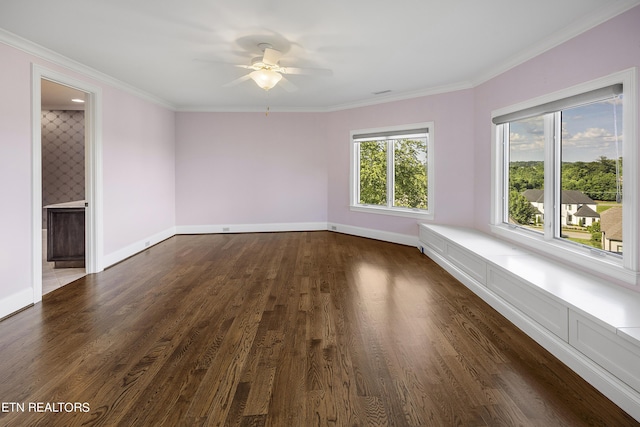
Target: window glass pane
x=373, y=173
x=410, y=173
x=525, y=194
x=591, y=175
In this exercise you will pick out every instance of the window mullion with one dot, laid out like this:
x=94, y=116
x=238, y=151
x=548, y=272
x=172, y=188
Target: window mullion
x=557, y=173
x=505, y=173
x=356, y=176
x=551, y=204
x=390, y=173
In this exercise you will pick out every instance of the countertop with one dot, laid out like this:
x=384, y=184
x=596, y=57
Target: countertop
x=74, y=204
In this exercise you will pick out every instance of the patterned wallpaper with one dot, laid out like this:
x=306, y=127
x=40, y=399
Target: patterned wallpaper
x=62, y=157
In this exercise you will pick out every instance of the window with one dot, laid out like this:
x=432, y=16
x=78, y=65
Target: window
x=392, y=170
x=565, y=180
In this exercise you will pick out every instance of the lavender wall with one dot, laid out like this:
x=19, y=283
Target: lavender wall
x=138, y=171
x=610, y=47
x=15, y=172
x=249, y=168
x=454, y=153
x=163, y=169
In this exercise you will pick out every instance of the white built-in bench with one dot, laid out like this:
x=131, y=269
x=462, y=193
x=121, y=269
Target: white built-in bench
x=590, y=325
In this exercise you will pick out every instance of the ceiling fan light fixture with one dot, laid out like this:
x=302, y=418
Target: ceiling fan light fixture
x=266, y=79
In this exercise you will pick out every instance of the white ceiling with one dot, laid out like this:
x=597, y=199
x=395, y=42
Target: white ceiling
x=58, y=97
x=409, y=47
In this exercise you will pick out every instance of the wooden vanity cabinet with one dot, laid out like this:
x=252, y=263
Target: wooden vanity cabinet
x=65, y=236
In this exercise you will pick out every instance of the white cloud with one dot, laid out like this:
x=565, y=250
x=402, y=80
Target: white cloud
x=590, y=137
x=590, y=144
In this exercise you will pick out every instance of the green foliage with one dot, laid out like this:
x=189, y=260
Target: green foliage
x=520, y=210
x=601, y=207
x=373, y=173
x=596, y=179
x=596, y=235
x=410, y=173
x=526, y=175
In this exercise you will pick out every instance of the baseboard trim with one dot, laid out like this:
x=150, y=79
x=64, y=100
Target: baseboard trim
x=141, y=245
x=617, y=391
x=369, y=233
x=136, y=247
x=385, y=236
x=16, y=302
x=251, y=228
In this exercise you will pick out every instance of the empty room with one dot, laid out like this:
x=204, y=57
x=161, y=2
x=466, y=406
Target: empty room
x=286, y=213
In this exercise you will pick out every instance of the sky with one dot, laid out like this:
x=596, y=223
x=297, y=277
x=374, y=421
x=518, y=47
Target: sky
x=588, y=132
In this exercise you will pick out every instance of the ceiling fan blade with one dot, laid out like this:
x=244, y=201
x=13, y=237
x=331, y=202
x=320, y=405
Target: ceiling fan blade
x=308, y=71
x=271, y=56
x=287, y=85
x=237, y=81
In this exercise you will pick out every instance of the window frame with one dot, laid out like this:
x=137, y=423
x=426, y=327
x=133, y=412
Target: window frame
x=389, y=209
x=624, y=269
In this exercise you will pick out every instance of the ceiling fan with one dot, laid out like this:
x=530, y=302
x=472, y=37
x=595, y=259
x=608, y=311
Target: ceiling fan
x=267, y=71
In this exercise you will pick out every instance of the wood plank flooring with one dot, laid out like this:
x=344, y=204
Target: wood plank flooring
x=281, y=329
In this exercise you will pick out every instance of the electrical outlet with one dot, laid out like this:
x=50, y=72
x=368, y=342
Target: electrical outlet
x=225, y=229
x=334, y=228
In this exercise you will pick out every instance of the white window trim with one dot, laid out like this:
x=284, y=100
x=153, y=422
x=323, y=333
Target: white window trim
x=625, y=270
x=394, y=210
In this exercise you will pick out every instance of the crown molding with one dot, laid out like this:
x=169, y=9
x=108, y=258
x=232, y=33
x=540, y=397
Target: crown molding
x=249, y=109
x=578, y=27
x=401, y=96
x=42, y=52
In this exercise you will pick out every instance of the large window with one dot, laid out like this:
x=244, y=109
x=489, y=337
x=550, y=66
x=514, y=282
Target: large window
x=565, y=175
x=392, y=170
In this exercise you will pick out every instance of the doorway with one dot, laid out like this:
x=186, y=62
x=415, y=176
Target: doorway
x=63, y=184
x=66, y=180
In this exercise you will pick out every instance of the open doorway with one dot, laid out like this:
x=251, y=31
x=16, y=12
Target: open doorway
x=67, y=177
x=63, y=184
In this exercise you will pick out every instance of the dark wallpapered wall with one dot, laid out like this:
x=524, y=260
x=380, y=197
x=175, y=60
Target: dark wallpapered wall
x=62, y=157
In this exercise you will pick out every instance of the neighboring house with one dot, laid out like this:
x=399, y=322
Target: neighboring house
x=576, y=207
x=585, y=216
x=611, y=228
x=536, y=198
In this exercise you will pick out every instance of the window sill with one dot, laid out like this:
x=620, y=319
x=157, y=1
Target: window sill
x=381, y=210
x=581, y=258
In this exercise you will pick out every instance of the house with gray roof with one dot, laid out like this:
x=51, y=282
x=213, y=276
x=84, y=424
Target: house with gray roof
x=611, y=229
x=576, y=207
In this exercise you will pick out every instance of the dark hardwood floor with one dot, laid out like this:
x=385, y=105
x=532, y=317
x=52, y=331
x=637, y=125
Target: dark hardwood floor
x=281, y=329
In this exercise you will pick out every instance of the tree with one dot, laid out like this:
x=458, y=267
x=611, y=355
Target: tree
x=373, y=173
x=597, y=179
x=410, y=173
x=596, y=234
x=410, y=164
x=526, y=175
x=520, y=210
